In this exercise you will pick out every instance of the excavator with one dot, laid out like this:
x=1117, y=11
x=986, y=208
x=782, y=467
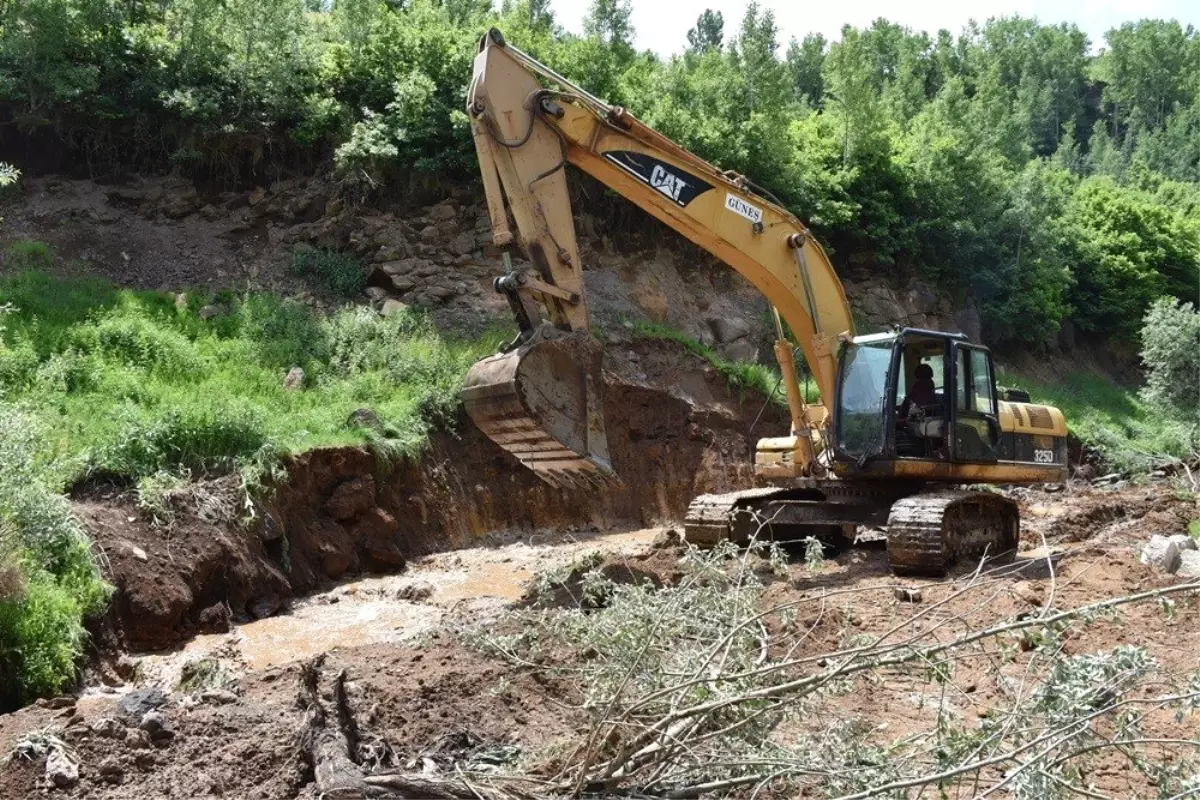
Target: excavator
x=908, y=419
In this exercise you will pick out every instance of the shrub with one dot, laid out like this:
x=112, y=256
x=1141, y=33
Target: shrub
x=138, y=341
x=342, y=274
x=212, y=435
x=1171, y=354
x=41, y=623
x=283, y=333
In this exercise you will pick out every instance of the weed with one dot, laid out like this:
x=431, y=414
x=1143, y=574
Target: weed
x=155, y=494
x=1194, y=529
x=342, y=274
x=814, y=553
x=26, y=254
x=200, y=674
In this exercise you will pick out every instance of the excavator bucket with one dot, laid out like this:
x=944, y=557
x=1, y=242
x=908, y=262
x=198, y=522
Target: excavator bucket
x=542, y=403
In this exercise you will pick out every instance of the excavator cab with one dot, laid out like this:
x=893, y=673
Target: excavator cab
x=915, y=396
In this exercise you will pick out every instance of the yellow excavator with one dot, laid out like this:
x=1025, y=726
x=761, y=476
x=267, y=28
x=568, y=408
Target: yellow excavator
x=907, y=417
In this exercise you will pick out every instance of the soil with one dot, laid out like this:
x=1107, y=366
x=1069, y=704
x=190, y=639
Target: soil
x=420, y=685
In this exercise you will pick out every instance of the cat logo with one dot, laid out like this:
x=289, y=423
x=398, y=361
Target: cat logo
x=665, y=182
x=672, y=182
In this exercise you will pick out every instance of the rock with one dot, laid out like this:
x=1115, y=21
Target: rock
x=156, y=724
x=364, y=418
x=351, y=498
x=257, y=196
x=415, y=592
x=377, y=293
x=136, y=703
x=462, y=244
x=179, y=207
x=294, y=379
x=666, y=540
x=212, y=213
x=1111, y=477
x=1189, y=564
x=1184, y=542
x=266, y=605
x=403, y=283
x=440, y=292
x=210, y=311
x=109, y=727
x=1162, y=554
x=216, y=618
x=429, y=233
x=111, y=771
x=726, y=329
x=740, y=350
x=181, y=301
x=377, y=535
x=391, y=306
x=218, y=697
x=907, y=594
x=922, y=299
x=61, y=771
x=1028, y=592
x=442, y=212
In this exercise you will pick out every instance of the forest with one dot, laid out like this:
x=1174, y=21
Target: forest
x=1049, y=179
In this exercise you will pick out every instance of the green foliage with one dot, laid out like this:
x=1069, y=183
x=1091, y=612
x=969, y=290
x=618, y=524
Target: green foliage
x=1171, y=353
x=41, y=625
x=342, y=274
x=27, y=254
x=1111, y=419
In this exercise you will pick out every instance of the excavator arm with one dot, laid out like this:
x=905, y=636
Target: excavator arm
x=541, y=399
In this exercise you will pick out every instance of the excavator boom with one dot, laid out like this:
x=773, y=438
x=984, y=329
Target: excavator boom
x=541, y=400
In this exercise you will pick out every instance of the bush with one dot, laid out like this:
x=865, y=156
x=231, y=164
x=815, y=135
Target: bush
x=283, y=333
x=212, y=435
x=137, y=341
x=41, y=623
x=1171, y=354
x=343, y=275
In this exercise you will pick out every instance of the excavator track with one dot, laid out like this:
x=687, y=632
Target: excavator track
x=928, y=533
x=710, y=517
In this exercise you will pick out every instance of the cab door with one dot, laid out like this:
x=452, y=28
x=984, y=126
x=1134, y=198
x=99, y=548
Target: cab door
x=974, y=413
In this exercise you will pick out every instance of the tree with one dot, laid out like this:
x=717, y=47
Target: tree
x=708, y=33
x=804, y=62
x=1171, y=355
x=610, y=22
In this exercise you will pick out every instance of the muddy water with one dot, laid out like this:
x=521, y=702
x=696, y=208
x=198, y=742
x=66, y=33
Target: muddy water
x=468, y=584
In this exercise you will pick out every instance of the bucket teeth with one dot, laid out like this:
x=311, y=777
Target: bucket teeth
x=541, y=403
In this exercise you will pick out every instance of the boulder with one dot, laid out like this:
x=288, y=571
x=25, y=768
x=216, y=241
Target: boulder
x=111, y=770
x=392, y=306
x=210, y=311
x=740, y=350
x=294, y=380
x=1184, y=542
x=61, y=771
x=377, y=533
x=1162, y=554
x=135, y=704
x=462, y=244
x=351, y=497
x=156, y=724
x=442, y=212
x=403, y=283
x=1189, y=564
x=728, y=329
x=429, y=233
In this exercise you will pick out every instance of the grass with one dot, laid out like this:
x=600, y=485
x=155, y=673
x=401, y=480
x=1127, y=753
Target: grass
x=1109, y=417
x=99, y=382
x=738, y=374
x=342, y=274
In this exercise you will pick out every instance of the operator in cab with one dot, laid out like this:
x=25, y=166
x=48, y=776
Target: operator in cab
x=922, y=393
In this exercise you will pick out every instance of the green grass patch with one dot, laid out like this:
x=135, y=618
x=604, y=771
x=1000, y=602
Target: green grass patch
x=102, y=382
x=342, y=274
x=1109, y=417
x=738, y=374
x=1194, y=529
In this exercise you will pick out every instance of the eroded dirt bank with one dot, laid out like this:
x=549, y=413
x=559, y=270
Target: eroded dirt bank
x=675, y=430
